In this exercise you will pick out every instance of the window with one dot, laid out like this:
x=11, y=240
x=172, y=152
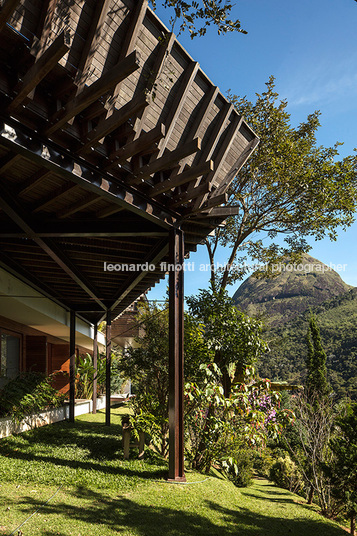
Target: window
x=10, y=350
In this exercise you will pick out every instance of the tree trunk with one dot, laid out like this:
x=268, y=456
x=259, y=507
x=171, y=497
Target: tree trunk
x=311, y=495
x=353, y=523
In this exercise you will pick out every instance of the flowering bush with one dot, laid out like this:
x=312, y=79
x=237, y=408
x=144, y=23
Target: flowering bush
x=217, y=426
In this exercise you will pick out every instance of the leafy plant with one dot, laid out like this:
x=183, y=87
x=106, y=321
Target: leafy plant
x=27, y=394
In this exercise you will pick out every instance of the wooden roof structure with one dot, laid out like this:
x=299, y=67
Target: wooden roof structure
x=110, y=136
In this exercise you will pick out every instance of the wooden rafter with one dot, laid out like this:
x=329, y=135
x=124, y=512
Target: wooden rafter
x=43, y=29
x=111, y=123
x=226, y=145
x=89, y=200
x=109, y=211
x=8, y=161
x=140, y=145
x=163, y=51
x=182, y=178
x=91, y=93
x=243, y=157
x=91, y=42
x=137, y=16
x=15, y=212
x=154, y=257
x=7, y=10
x=180, y=97
x=39, y=70
x=191, y=194
x=67, y=188
x=168, y=160
x=33, y=181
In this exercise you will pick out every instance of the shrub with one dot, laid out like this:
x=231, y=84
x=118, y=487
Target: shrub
x=285, y=473
x=28, y=393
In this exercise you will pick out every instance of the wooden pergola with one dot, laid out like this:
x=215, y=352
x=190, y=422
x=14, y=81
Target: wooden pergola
x=115, y=148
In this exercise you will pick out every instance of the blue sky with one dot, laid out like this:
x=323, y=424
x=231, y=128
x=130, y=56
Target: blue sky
x=310, y=47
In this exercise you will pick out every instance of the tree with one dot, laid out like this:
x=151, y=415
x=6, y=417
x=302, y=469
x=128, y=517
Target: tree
x=148, y=368
x=315, y=416
x=233, y=336
x=206, y=12
x=289, y=187
x=344, y=467
x=316, y=378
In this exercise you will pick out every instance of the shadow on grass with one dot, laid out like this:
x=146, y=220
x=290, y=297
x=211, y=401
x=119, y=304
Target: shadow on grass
x=93, y=447
x=120, y=514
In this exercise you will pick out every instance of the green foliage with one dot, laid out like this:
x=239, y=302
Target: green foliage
x=286, y=474
x=344, y=466
x=316, y=378
x=230, y=334
x=217, y=427
x=289, y=186
x=206, y=12
x=147, y=367
x=85, y=374
x=27, y=394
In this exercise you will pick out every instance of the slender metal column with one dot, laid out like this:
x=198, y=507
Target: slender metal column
x=72, y=363
x=107, y=370
x=95, y=366
x=176, y=380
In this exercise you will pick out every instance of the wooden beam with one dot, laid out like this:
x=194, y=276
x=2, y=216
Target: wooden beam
x=193, y=193
x=137, y=15
x=6, y=162
x=214, y=201
x=163, y=51
x=168, y=160
x=93, y=92
x=204, y=111
x=92, y=39
x=182, y=178
x=108, y=211
x=39, y=70
x=157, y=253
x=89, y=200
x=186, y=82
x=33, y=181
x=43, y=29
x=15, y=211
x=239, y=163
x=111, y=123
x=225, y=212
x=226, y=146
x=68, y=187
x=6, y=11
x=140, y=145
x=219, y=126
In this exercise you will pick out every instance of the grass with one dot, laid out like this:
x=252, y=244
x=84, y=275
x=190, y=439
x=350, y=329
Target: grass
x=103, y=495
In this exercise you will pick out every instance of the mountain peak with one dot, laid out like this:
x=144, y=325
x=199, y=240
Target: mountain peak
x=296, y=288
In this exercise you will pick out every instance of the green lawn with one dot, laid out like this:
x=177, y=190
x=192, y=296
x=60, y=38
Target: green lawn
x=104, y=495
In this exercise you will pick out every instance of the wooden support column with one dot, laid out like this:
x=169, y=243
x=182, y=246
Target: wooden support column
x=107, y=370
x=95, y=366
x=176, y=380
x=72, y=364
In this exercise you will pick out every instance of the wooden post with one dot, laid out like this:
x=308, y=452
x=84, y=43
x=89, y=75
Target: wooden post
x=176, y=387
x=108, y=365
x=72, y=364
x=95, y=366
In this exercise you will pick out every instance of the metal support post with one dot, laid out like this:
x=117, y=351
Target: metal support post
x=176, y=380
x=72, y=364
x=95, y=366
x=108, y=366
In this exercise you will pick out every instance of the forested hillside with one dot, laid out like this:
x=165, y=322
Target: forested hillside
x=286, y=326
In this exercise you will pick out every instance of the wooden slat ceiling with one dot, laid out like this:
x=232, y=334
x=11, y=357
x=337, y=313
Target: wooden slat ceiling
x=110, y=135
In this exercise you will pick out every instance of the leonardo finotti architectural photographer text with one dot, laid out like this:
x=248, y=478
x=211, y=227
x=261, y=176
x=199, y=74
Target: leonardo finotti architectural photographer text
x=241, y=268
